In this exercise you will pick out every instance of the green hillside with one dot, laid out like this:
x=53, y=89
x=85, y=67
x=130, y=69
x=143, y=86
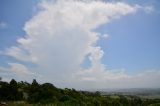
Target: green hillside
x=35, y=94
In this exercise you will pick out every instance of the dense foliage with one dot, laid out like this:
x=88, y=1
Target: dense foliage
x=47, y=93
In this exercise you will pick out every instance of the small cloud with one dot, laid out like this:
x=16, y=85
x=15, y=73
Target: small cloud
x=105, y=36
x=3, y=25
x=19, y=54
x=149, y=9
x=19, y=69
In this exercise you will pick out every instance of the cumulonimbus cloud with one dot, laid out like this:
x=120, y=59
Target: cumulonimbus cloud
x=60, y=36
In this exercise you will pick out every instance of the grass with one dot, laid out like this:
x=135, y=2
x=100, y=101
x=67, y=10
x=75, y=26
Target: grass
x=22, y=103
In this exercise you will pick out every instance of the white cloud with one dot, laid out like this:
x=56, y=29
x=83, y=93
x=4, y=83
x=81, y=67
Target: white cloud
x=105, y=36
x=19, y=69
x=60, y=36
x=19, y=53
x=2, y=25
x=149, y=9
x=101, y=79
x=16, y=68
x=16, y=71
x=146, y=9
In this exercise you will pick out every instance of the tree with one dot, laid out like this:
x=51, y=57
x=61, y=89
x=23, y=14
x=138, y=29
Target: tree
x=14, y=93
x=4, y=91
x=97, y=93
x=136, y=101
x=65, y=98
x=123, y=100
x=33, y=92
x=35, y=83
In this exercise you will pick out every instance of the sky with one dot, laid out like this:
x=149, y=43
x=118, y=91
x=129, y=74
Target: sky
x=93, y=44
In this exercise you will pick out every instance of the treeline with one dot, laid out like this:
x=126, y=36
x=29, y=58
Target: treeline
x=47, y=93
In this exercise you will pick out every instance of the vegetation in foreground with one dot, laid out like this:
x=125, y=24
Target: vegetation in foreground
x=35, y=94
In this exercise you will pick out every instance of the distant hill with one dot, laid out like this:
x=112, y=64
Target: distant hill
x=142, y=92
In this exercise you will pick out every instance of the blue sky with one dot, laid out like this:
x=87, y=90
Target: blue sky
x=14, y=14
x=132, y=43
